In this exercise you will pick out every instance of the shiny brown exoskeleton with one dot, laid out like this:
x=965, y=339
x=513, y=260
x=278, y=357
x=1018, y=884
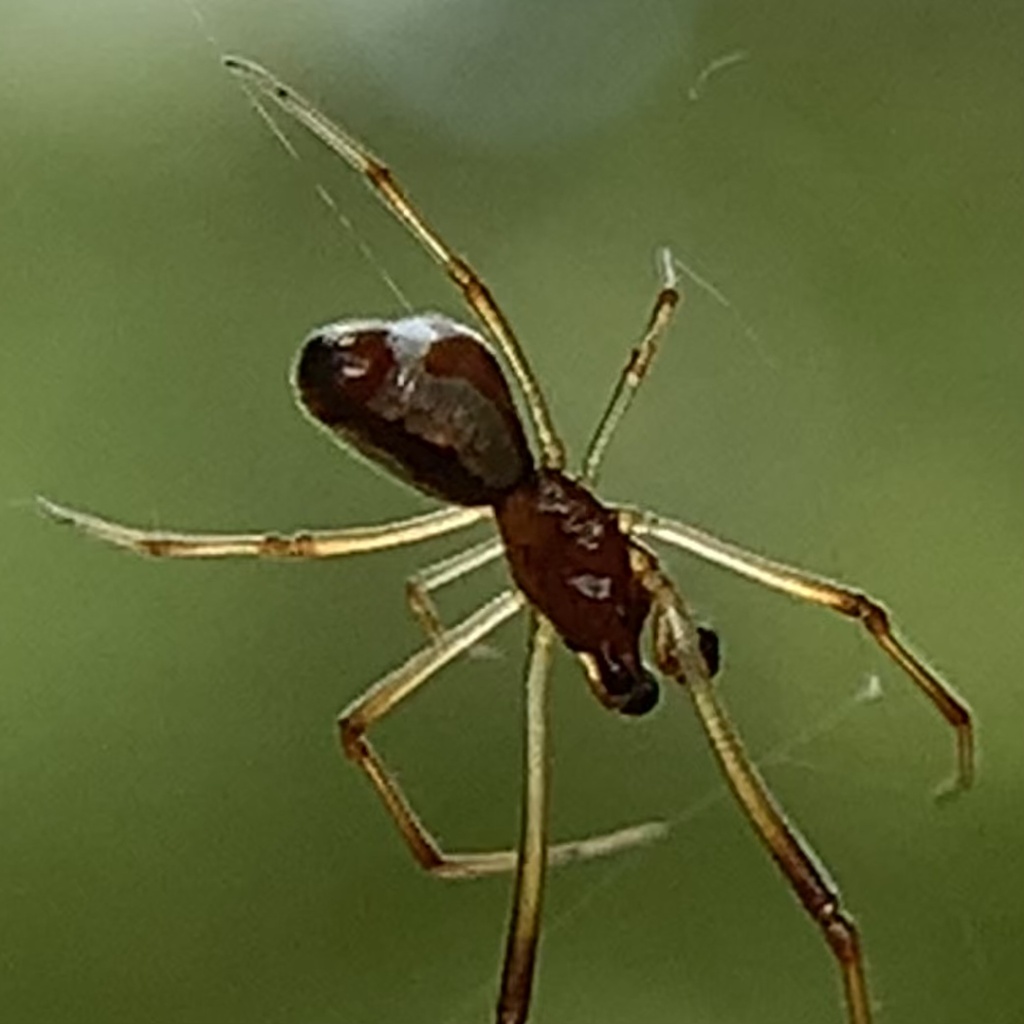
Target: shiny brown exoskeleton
x=425, y=397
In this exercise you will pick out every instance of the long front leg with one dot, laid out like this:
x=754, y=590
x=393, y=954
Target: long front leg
x=306, y=544
x=817, y=590
x=379, y=178
x=386, y=695
x=677, y=643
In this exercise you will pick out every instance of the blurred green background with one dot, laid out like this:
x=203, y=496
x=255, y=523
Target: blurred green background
x=181, y=841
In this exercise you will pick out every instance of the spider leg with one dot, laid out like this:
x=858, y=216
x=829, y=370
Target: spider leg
x=385, y=695
x=524, y=926
x=379, y=178
x=677, y=649
x=307, y=544
x=817, y=590
x=419, y=586
x=637, y=367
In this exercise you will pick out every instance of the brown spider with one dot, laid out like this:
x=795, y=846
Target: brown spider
x=424, y=397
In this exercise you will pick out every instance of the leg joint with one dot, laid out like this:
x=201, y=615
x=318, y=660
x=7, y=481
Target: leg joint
x=350, y=735
x=859, y=606
x=423, y=608
x=298, y=545
x=464, y=277
x=840, y=932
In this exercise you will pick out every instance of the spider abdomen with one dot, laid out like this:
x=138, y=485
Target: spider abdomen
x=569, y=556
x=424, y=398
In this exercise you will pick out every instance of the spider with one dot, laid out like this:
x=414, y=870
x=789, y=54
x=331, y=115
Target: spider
x=425, y=397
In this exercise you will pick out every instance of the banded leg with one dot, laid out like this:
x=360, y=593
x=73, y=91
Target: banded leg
x=637, y=367
x=846, y=600
x=419, y=586
x=677, y=643
x=385, y=695
x=379, y=178
x=528, y=895
x=307, y=544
